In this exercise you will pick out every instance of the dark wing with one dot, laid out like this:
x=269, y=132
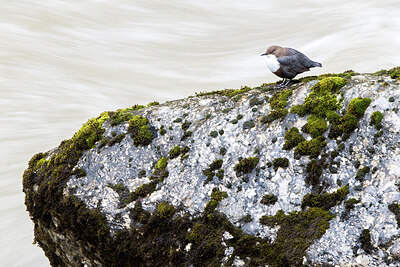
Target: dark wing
x=293, y=64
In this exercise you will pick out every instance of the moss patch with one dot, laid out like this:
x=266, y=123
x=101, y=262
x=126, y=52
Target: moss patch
x=174, y=152
x=357, y=106
x=246, y=165
x=122, y=115
x=278, y=102
x=361, y=173
x=315, y=126
x=312, y=148
x=293, y=138
x=365, y=240
x=325, y=200
x=226, y=92
x=280, y=162
x=297, y=232
x=376, y=120
x=299, y=110
x=140, y=131
x=210, y=172
x=314, y=171
x=269, y=199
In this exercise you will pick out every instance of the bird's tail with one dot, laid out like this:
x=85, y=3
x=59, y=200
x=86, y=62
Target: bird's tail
x=316, y=64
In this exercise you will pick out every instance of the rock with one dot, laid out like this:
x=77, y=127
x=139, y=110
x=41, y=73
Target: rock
x=181, y=183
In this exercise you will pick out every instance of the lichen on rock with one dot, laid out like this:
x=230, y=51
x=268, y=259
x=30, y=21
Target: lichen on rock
x=226, y=177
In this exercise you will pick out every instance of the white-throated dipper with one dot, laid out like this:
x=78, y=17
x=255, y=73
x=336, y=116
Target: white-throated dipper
x=287, y=63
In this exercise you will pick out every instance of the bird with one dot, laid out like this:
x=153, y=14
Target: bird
x=287, y=62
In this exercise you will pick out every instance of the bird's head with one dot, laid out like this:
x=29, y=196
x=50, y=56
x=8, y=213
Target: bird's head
x=271, y=50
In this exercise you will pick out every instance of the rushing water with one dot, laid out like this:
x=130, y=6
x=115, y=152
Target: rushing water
x=63, y=62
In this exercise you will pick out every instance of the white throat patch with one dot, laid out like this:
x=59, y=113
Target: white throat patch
x=273, y=63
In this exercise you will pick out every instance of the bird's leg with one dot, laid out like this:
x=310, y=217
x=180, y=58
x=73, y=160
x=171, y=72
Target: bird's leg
x=288, y=82
x=281, y=85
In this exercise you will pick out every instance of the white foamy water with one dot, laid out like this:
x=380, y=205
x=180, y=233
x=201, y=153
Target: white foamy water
x=63, y=62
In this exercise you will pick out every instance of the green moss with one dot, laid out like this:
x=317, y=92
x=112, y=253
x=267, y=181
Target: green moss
x=208, y=115
x=333, y=117
x=162, y=163
x=248, y=124
x=226, y=92
x=274, y=115
x=92, y=131
x=293, y=138
x=365, y=240
x=322, y=97
x=299, y=110
x=116, y=139
x=280, y=162
x=350, y=203
x=140, y=131
x=185, y=150
x=234, y=121
x=186, y=134
x=237, y=98
x=349, y=123
x=357, y=106
x=220, y=174
x=361, y=173
x=335, y=132
x=122, y=115
x=165, y=210
x=311, y=148
x=346, y=75
x=177, y=120
x=214, y=134
x=210, y=171
x=255, y=101
x=376, y=119
x=222, y=151
x=314, y=171
x=246, y=165
x=221, y=132
x=297, y=232
x=278, y=102
x=325, y=200
x=380, y=72
x=279, y=99
x=162, y=130
x=269, y=199
x=41, y=162
x=154, y=103
x=79, y=173
x=226, y=110
x=216, y=197
x=394, y=73
x=315, y=126
x=186, y=125
x=330, y=84
x=174, y=152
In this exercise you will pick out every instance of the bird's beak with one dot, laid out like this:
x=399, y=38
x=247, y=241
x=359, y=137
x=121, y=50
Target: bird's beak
x=263, y=54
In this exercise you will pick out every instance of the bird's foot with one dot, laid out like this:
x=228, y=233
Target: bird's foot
x=284, y=83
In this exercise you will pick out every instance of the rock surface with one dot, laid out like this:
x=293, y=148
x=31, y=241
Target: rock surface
x=206, y=180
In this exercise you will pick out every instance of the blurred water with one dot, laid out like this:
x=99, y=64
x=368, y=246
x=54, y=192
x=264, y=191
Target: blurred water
x=63, y=62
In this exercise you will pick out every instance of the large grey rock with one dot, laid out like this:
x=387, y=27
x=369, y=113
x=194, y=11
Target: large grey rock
x=186, y=187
